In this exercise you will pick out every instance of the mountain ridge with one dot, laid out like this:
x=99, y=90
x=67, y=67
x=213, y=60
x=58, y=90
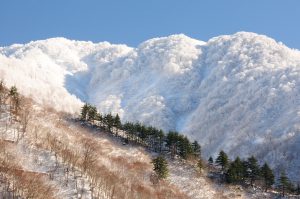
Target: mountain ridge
x=235, y=92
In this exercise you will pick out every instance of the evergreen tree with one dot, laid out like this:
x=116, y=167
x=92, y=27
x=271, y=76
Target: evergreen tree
x=15, y=100
x=143, y=132
x=172, y=142
x=185, y=147
x=84, y=111
x=235, y=172
x=117, y=122
x=222, y=160
x=109, y=121
x=253, y=169
x=92, y=113
x=160, y=166
x=98, y=117
x=13, y=91
x=160, y=136
x=267, y=175
x=283, y=183
x=196, y=149
x=210, y=161
x=127, y=127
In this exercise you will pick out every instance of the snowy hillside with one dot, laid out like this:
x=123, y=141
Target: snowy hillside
x=238, y=92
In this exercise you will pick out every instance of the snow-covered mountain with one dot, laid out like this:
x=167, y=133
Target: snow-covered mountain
x=240, y=92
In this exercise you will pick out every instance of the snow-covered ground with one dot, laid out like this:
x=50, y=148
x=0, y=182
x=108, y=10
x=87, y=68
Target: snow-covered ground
x=46, y=149
x=132, y=166
x=239, y=93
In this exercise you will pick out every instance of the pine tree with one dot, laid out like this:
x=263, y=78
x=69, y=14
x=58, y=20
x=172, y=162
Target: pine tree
x=160, y=166
x=84, y=111
x=109, y=121
x=210, y=161
x=267, y=175
x=160, y=136
x=185, y=147
x=283, y=183
x=196, y=149
x=117, y=122
x=253, y=169
x=98, y=118
x=172, y=142
x=14, y=95
x=235, y=172
x=222, y=160
x=92, y=113
x=13, y=91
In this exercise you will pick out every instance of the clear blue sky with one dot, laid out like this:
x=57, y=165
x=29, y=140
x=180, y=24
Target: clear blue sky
x=133, y=21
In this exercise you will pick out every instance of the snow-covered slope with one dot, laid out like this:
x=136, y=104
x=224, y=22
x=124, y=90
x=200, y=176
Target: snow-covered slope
x=236, y=92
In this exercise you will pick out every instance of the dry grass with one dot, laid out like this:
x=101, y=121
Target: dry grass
x=115, y=170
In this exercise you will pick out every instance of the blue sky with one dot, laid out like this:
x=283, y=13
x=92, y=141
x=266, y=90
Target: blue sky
x=134, y=21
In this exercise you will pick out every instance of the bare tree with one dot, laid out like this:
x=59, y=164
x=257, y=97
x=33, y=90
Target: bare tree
x=55, y=146
x=3, y=95
x=25, y=117
x=89, y=156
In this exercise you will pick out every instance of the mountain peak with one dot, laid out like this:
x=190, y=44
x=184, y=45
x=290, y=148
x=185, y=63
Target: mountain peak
x=229, y=93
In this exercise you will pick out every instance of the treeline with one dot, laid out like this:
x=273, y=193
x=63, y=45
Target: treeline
x=249, y=172
x=154, y=139
x=238, y=171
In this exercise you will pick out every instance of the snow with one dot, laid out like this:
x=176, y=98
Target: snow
x=126, y=166
x=196, y=185
x=239, y=92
